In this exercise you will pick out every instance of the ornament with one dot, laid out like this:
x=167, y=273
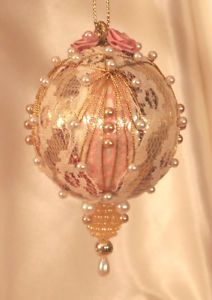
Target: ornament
x=105, y=126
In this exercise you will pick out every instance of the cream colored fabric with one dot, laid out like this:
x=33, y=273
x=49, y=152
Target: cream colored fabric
x=164, y=252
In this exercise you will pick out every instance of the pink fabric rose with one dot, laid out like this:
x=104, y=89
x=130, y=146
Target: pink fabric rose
x=121, y=41
x=88, y=40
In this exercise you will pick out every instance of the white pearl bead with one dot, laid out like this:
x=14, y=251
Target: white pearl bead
x=182, y=123
x=88, y=208
x=122, y=207
x=33, y=119
x=71, y=51
x=86, y=80
x=136, y=82
x=55, y=60
x=132, y=167
x=76, y=58
x=87, y=34
x=109, y=50
x=44, y=81
x=170, y=80
x=139, y=46
x=181, y=108
x=151, y=190
x=141, y=124
x=81, y=166
x=36, y=161
x=104, y=267
x=138, y=56
x=152, y=55
x=110, y=64
x=174, y=163
x=107, y=196
x=73, y=124
x=62, y=194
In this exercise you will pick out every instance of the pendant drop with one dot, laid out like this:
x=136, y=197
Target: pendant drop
x=104, y=266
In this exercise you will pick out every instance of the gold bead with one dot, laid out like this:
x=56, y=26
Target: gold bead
x=180, y=139
x=181, y=108
x=124, y=218
x=86, y=219
x=108, y=127
x=104, y=248
x=29, y=108
x=109, y=111
x=29, y=140
x=107, y=143
x=28, y=124
x=182, y=123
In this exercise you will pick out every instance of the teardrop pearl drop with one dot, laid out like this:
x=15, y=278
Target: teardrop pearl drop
x=104, y=267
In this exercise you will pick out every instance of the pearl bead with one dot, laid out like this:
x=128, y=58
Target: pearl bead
x=181, y=108
x=180, y=139
x=76, y=58
x=85, y=80
x=110, y=64
x=44, y=81
x=174, y=163
x=109, y=50
x=136, y=82
x=104, y=248
x=107, y=197
x=124, y=218
x=71, y=51
x=182, y=123
x=109, y=111
x=87, y=34
x=81, y=166
x=29, y=108
x=108, y=128
x=88, y=208
x=152, y=55
x=104, y=267
x=73, y=124
x=107, y=143
x=62, y=194
x=122, y=207
x=36, y=161
x=139, y=46
x=29, y=140
x=27, y=125
x=86, y=219
x=170, y=80
x=141, y=124
x=137, y=56
x=132, y=167
x=55, y=60
x=33, y=120
x=151, y=190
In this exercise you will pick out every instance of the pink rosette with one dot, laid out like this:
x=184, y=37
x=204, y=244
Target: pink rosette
x=121, y=41
x=88, y=40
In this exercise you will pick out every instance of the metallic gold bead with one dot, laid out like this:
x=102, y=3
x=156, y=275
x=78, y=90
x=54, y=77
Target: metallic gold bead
x=28, y=124
x=108, y=128
x=170, y=80
x=109, y=112
x=151, y=190
x=152, y=55
x=104, y=248
x=86, y=219
x=182, y=123
x=174, y=163
x=107, y=143
x=180, y=139
x=124, y=218
x=181, y=108
x=29, y=108
x=29, y=140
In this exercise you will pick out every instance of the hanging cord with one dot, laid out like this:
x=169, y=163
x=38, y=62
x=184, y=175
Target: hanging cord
x=101, y=27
